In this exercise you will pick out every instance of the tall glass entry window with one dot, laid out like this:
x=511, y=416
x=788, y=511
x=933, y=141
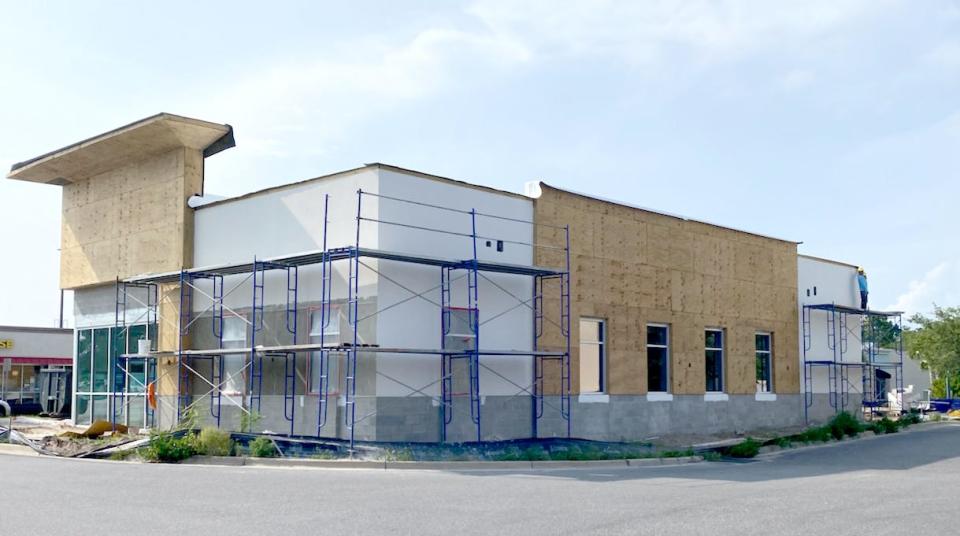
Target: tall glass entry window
x=764, y=362
x=592, y=356
x=97, y=354
x=714, y=360
x=658, y=358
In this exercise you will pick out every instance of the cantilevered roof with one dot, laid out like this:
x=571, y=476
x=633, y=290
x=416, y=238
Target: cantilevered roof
x=154, y=135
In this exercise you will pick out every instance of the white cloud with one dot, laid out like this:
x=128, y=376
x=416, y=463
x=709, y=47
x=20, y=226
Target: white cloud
x=327, y=94
x=797, y=79
x=945, y=55
x=938, y=286
x=645, y=31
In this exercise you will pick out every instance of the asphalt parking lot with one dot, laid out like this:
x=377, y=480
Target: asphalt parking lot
x=885, y=485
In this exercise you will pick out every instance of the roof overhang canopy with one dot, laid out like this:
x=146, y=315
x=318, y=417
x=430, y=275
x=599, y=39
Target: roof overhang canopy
x=151, y=136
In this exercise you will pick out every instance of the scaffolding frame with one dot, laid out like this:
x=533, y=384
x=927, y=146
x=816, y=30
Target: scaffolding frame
x=472, y=268
x=120, y=371
x=838, y=370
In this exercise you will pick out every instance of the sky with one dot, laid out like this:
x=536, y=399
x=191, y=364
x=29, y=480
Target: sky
x=834, y=123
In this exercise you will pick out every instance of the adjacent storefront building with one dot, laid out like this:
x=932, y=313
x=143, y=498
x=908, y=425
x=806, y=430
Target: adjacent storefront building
x=35, y=369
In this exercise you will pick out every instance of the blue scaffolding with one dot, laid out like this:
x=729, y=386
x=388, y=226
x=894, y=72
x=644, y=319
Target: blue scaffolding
x=838, y=370
x=472, y=268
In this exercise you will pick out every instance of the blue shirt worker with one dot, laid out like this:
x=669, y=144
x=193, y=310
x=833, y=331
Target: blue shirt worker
x=862, y=283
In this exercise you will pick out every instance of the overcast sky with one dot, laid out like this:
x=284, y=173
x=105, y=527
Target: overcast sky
x=834, y=122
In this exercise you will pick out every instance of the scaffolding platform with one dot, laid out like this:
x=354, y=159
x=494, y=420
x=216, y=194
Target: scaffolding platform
x=324, y=258
x=297, y=348
x=318, y=256
x=838, y=368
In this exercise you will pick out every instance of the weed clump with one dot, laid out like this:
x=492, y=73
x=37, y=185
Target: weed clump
x=214, y=442
x=817, y=434
x=747, y=449
x=262, y=447
x=907, y=419
x=844, y=424
x=712, y=456
x=783, y=442
x=884, y=426
x=166, y=447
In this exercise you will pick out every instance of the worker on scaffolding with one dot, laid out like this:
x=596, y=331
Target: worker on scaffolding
x=862, y=283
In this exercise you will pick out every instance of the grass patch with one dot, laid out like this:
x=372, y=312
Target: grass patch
x=121, y=455
x=712, y=456
x=576, y=453
x=400, y=455
x=676, y=453
x=324, y=455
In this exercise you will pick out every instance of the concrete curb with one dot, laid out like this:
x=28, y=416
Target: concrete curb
x=437, y=466
x=17, y=450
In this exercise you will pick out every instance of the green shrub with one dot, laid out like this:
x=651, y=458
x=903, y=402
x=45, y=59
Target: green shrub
x=262, y=447
x=844, y=424
x=676, y=453
x=166, y=448
x=884, y=426
x=214, y=442
x=747, y=449
x=907, y=419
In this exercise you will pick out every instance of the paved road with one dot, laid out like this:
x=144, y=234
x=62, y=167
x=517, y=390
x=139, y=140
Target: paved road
x=895, y=484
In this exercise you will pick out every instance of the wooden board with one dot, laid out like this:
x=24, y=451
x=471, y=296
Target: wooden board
x=632, y=267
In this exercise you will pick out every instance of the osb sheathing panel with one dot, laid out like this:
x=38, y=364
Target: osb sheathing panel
x=633, y=267
x=129, y=221
x=168, y=338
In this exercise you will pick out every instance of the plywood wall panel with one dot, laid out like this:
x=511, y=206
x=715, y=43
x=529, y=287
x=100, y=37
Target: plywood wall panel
x=130, y=220
x=632, y=267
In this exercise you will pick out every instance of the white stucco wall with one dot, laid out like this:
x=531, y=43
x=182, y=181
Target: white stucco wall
x=290, y=220
x=505, y=323
x=821, y=281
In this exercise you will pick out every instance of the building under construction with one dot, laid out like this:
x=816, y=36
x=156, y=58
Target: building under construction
x=386, y=304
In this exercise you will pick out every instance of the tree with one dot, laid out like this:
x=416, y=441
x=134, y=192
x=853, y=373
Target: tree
x=936, y=343
x=885, y=333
